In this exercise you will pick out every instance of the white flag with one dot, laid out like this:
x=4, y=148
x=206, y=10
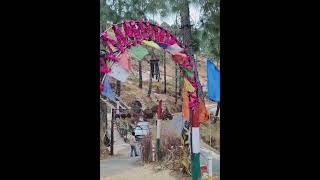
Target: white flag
x=118, y=72
x=174, y=49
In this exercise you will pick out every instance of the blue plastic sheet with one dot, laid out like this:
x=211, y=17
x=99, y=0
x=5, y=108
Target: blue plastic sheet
x=213, y=78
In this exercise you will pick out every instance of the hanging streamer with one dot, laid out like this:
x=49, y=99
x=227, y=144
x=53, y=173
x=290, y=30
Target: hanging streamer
x=103, y=67
x=142, y=28
x=156, y=33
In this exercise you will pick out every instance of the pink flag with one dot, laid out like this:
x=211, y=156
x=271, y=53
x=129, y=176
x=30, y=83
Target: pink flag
x=125, y=61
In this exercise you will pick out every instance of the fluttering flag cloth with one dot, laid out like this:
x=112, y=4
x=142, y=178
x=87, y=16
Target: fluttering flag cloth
x=159, y=109
x=187, y=71
x=203, y=112
x=107, y=91
x=125, y=61
x=174, y=49
x=103, y=67
x=118, y=72
x=138, y=52
x=179, y=58
x=151, y=44
x=163, y=45
x=213, y=78
x=185, y=103
x=188, y=85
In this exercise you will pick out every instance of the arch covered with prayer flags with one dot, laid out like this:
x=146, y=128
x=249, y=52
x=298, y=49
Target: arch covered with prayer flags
x=126, y=41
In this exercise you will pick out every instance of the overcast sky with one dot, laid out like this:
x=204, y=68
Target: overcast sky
x=194, y=16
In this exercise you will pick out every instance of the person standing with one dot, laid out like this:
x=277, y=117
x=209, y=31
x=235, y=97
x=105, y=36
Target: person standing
x=132, y=141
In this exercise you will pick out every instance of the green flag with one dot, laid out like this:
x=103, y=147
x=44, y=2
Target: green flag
x=187, y=71
x=138, y=52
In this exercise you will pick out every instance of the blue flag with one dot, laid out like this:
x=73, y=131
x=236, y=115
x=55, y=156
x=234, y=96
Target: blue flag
x=213, y=77
x=163, y=45
x=107, y=91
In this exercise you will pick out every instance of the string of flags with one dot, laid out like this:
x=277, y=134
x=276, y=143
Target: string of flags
x=127, y=45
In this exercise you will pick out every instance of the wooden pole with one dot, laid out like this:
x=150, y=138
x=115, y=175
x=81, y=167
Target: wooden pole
x=112, y=140
x=210, y=133
x=165, y=72
x=176, y=85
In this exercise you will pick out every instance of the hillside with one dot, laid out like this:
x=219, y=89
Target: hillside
x=130, y=92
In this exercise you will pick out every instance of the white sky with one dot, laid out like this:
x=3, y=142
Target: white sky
x=194, y=16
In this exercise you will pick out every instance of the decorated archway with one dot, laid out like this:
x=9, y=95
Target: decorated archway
x=126, y=41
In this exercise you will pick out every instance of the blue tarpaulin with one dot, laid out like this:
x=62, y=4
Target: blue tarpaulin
x=213, y=77
x=107, y=91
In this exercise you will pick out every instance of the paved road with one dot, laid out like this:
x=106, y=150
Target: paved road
x=116, y=165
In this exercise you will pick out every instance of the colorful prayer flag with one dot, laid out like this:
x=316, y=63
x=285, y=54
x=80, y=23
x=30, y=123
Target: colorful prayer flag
x=118, y=72
x=179, y=58
x=203, y=112
x=188, y=85
x=125, y=61
x=174, y=49
x=163, y=45
x=107, y=91
x=187, y=71
x=137, y=52
x=185, y=104
x=151, y=44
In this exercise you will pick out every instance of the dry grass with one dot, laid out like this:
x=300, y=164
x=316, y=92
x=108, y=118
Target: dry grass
x=168, y=139
x=215, y=134
x=146, y=149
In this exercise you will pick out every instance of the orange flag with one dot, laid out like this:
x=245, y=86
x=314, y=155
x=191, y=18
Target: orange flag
x=203, y=112
x=202, y=109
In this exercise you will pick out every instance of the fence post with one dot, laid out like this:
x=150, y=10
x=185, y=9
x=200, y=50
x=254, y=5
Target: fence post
x=209, y=168
x=153, y=152
x=158, y=138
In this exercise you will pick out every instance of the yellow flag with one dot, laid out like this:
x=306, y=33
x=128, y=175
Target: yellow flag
x=151, y=44
x=188, y=85
x=185, y=104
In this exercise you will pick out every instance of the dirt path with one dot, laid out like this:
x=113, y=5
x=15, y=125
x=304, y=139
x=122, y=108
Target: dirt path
x=136, y=172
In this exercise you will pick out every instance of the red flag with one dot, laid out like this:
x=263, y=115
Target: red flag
x=159, y=110
x=195, y=118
